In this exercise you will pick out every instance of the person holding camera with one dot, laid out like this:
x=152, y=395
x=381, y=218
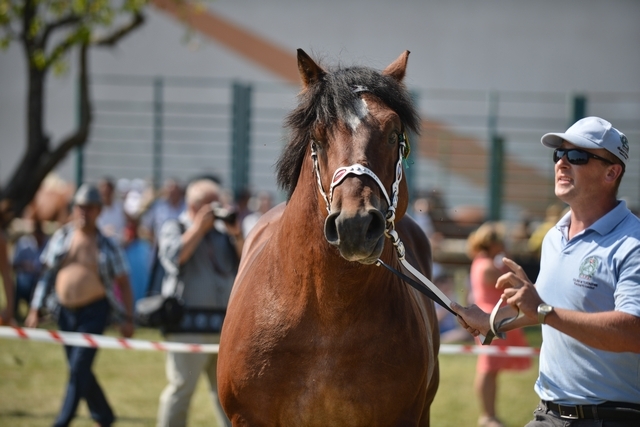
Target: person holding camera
x=201, y=249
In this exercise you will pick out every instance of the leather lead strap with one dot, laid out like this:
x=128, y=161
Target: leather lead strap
x=418, y=286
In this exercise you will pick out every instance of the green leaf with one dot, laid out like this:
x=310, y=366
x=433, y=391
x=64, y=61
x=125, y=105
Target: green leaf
x=5, y=9
x=36, y=25
x=39, y=59
x=60, y=67
x=5, y=42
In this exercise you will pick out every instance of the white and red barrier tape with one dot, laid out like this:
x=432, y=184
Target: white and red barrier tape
x=494, y=350
x=103, y=341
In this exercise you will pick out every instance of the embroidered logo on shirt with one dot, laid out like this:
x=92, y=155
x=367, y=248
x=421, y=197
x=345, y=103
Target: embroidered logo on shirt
x=589, y=267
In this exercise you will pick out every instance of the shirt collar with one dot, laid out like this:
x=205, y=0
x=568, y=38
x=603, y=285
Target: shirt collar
x=603, y=225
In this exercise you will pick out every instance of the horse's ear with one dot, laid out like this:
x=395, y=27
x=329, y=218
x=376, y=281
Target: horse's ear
x=398, y=67
x=310, y=72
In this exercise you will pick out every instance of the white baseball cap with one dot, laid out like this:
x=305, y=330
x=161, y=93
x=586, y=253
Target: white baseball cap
x=594, y=133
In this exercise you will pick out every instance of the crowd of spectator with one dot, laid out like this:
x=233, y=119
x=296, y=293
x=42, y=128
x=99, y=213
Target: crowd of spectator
x=132, y=215
x=94, y=262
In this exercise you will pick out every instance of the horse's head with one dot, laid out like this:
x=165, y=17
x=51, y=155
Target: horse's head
x=352, y=125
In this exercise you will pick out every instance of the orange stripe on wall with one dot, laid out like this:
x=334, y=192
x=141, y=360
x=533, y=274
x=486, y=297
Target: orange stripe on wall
x=271, y=57
x=460, y=150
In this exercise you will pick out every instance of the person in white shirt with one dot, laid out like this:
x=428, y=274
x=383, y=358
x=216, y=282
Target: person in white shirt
x=112, y=218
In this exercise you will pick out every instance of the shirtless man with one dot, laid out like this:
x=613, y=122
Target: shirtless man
x=84, y=267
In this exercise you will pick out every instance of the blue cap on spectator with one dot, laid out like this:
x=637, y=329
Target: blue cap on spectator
x=87, y=194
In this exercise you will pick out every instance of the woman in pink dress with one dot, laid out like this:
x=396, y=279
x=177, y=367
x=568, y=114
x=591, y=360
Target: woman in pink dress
x=486, y=249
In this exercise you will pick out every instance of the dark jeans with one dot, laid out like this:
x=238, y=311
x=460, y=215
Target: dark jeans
x=25, y=284
x=543, y=417
x=82, y=383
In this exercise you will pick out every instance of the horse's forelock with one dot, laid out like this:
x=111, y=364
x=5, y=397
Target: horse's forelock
x=330, y=102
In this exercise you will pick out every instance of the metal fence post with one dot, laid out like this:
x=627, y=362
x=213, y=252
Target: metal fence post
x=158, y=89
x=578, y=108
x=496, y=170
x=241, y=137
x=496, y=163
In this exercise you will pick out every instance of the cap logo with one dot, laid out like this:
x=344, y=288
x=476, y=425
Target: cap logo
x=624, y=148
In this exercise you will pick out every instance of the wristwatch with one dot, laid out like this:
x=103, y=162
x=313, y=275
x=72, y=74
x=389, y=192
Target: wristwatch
x=543, y=311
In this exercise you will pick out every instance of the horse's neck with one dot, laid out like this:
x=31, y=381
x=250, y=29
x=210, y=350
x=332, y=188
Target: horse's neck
x=302, y=226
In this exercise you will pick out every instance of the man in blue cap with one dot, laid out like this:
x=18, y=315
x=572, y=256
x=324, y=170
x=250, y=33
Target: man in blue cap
x=587, y=295
x=82, y=268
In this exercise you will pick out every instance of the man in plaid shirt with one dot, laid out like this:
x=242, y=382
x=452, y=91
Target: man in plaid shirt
x=82, y=270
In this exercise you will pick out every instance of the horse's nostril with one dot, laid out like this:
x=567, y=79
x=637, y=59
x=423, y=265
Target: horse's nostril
x=377, y=224
x=358, y=235
x=331, y=229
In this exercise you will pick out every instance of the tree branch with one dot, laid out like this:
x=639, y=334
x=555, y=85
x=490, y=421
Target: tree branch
x=112, y=39
x=82, y=133
x=60, y=50
x=62, y=22
x=28, y=15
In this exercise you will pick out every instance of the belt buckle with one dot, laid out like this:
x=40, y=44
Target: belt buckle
x=569, y=412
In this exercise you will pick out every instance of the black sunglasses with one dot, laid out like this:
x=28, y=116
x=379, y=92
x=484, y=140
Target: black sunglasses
x=576, y=156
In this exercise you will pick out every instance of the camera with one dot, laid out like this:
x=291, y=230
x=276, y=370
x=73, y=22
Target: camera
x=222, y=213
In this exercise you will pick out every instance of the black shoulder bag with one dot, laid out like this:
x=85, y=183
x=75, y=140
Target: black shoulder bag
x=161, y=311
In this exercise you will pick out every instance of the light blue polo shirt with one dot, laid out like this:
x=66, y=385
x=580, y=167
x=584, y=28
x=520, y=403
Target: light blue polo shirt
x=598, y=270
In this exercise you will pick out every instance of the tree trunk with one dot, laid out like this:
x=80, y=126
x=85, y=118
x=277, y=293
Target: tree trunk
x=39, y=160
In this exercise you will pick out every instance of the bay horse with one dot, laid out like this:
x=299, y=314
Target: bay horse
x=315, y=333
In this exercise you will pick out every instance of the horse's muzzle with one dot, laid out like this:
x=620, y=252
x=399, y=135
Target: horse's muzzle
x=359, y=237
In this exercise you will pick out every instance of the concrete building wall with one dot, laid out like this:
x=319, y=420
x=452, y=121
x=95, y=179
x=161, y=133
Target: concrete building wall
x=544, y=45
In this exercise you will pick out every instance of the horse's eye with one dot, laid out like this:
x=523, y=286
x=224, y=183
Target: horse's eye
x=393, y=138
x=317, y=145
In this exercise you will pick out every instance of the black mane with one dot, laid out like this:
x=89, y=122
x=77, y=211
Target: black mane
x=327, y=103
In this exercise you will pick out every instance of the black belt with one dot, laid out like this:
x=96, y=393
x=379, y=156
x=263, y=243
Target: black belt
x=604, y=411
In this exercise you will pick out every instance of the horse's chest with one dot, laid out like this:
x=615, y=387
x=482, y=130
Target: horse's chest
x=331, y=395
x=354, y=381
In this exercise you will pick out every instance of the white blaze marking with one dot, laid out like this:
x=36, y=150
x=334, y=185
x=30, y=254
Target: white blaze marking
x=361, y=110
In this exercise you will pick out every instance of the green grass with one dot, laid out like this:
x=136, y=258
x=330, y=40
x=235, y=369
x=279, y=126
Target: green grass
x=33, y=376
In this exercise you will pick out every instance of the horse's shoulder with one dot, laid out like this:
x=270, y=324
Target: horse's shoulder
x=261, y=233
x=262, y=229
